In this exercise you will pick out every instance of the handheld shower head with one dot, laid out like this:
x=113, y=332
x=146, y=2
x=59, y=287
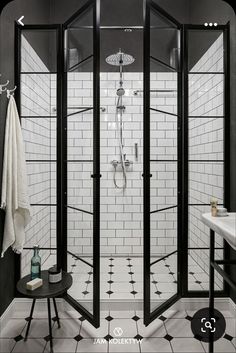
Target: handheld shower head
x=120, y=92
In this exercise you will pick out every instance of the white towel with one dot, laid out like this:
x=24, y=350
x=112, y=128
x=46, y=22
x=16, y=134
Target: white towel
x=15, y=198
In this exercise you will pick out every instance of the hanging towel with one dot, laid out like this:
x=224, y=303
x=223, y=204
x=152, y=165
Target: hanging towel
x=15, y=198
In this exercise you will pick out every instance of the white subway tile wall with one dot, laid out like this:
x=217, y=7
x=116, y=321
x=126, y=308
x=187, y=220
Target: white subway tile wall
x=121, y=211
x=206, y=98
x=40, y=137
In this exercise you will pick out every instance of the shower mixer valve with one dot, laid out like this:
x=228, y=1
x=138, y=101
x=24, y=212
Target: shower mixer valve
x=121, y=107
x=115, y=163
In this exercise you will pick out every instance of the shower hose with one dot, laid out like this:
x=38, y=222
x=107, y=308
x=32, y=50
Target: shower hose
x=122, y=159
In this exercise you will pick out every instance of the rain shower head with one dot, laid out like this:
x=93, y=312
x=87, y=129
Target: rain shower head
x=120, y=59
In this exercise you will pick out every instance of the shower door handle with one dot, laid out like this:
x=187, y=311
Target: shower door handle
x=96, y=176
x=146, y=175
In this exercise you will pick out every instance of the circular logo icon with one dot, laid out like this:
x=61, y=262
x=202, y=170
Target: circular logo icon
x=208, y=325
x=118, y=331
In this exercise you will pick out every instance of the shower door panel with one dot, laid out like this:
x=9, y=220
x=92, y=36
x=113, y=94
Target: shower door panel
x=82, y=159
x=161, y=176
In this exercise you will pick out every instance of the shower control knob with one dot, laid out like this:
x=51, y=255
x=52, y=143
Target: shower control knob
x=114, y=163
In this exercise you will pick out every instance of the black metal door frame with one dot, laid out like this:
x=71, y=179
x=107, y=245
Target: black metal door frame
x=182, y=228
x=148, y=315
x=18, y=32
x=185, y=292
x=61, y=162
x=94, y=318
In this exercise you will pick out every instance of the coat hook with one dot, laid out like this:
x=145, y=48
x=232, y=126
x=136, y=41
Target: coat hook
x=10, y=91
x=2, y=87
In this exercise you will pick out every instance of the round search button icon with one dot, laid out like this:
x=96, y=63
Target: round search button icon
x=208, y=325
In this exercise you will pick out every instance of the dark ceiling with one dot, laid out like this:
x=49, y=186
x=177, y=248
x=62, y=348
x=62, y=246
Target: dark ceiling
x=126, y=13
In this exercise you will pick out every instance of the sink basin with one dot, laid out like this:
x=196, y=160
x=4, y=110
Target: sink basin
x=224, y=226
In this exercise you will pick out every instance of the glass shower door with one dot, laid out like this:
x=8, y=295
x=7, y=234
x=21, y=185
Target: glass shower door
x=82, y=158
x=162, y=150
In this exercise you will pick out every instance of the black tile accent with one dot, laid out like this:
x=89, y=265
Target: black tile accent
x=129, y=265
x=191, y=273
x=18, y=338
x=108, y=337
x=228, y=337
x=111, y=259
x=133, y=292
x=110, y=282
x=47, y=338
x=198, y=282
x=162, y=318
x=132, y=282
x=85, y=292
x=73, y=265
x=88, y=282
x=158, y=292
x=135, y=318
x=167, y=265
x=54, y=319
x=109, y=292
x=70, y=273
x=111, y=265
x=189, y=318
x=152, y=273
x=128, y=259
x=168, y=337
x=90, y=273
x=78, y=338
x=111, y=273
x=171, y=273
x=108, y=318
x=154, y=282
x=27, y=318
x=81, y=318
x=138, y=337
x=175, y=282
x=131, y=273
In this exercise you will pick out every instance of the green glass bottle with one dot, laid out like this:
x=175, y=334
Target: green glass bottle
x=36, y=264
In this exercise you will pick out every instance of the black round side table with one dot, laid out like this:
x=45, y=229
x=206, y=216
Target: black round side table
x=47, y=290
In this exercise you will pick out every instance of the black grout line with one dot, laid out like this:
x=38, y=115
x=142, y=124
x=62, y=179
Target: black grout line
x=18, y=335
x=110, y=269
x=131, y=276
x=172, y=349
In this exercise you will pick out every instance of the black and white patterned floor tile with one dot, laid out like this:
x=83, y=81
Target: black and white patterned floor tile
x=171, y=332
x=121, y=277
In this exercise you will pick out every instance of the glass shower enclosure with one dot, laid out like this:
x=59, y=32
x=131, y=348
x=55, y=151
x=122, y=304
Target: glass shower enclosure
x=62, y=136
